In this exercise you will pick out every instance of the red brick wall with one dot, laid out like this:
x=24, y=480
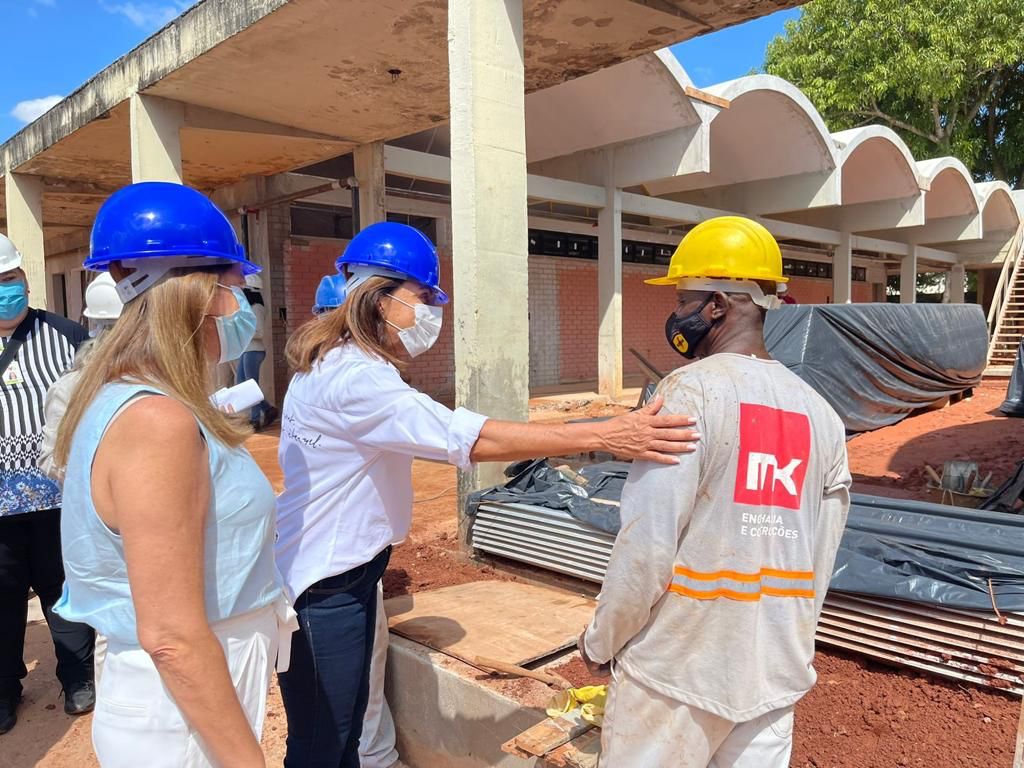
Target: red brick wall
x=305, y=262
x=810, y=290
x=433, y=372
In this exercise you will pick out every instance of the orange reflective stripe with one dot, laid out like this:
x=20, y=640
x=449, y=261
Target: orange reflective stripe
x=802, y=575
x=715, y=594
x=774, y=592
x=747, y=577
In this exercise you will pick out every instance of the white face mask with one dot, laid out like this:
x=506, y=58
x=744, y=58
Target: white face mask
x=425, y=330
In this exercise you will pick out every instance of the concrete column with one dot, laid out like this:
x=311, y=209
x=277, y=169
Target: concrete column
x=489, y=221
x=156, y=142
x=908, y=277
x=369, y=162
x=955, y=288
x=842, y=270
x=609, y=288
x=25, y=229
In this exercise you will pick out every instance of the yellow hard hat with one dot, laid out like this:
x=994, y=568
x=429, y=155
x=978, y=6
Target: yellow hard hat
x=729, y=247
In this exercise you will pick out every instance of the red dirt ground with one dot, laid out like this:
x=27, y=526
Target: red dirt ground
x=860, y=715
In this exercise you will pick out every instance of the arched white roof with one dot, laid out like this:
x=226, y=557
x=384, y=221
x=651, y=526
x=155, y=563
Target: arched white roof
x=875, y=164
x=632, y=100
x=998, y=211
x=770, y=130
x=950, y=188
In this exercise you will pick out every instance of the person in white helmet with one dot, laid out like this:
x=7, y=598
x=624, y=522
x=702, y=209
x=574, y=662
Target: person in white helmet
x=263, y=414
x=102, y=308
x=37, y=348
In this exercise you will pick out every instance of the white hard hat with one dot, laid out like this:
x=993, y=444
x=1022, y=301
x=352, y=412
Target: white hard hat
x=101, y=299
x=10, y=257
x=254, y=282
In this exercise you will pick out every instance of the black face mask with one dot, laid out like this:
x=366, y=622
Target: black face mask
x=685, y=333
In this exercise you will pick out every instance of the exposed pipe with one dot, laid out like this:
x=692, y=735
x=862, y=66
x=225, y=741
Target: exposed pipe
x=308, y=192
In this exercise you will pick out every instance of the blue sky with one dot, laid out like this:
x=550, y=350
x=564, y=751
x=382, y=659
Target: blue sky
x=53, y=46
x=732, y=52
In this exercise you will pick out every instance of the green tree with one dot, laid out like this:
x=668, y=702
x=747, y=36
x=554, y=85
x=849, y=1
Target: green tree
x=947, y=75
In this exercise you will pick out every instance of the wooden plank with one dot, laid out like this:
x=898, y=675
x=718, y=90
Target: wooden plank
x=551, y=733
x=581, y=752
x=514, y=622
x=707, y=98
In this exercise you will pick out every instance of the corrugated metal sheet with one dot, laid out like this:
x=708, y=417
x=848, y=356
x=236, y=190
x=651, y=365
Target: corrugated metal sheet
x=960, y=644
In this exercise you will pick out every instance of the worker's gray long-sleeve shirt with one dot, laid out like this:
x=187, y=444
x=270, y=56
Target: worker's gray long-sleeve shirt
x=720, y=569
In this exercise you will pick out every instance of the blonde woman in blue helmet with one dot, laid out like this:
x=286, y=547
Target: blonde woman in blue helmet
x=352, y=428
x=168, y=522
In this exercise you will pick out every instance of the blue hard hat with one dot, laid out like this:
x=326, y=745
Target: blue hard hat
x=397, y=248
x=330, y=294
x=160, y=220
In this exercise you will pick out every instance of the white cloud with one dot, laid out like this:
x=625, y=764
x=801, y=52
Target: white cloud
x=148, y=15
x=28, y=110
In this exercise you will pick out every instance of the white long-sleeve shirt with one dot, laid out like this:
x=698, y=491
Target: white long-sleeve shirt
x=718, y=574
x=349, y=432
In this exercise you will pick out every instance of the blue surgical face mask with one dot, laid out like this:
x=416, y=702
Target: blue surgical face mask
x=236, y=330
x=13, y=300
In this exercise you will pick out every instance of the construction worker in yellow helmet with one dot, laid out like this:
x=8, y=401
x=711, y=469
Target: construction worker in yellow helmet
x=718, y=574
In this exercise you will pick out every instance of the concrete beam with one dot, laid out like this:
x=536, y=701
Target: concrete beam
x=908, y=277
x=949, y=229
x=680, y=152
x=769, y=196
x=489, y=216
x=206, y=119
x=24, y=196
x=956, y=287
x=609, y=290
x=186, y=38
x=155, y=138
x=671, y=210
x=842, y=270
x=369, y=163
x=883, y=214
x=421, y=165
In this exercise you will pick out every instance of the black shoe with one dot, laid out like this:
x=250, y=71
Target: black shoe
x=8, y=712
x=269, y=417
x=80, y=698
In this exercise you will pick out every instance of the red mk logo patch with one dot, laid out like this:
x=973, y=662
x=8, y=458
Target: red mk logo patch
x=774, y=448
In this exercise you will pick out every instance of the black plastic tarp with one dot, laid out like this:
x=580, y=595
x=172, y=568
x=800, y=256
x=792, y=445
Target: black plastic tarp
x=927, y=553
x=538, y=482
x=877, y=363
x=1014, y=403
x=931, y=553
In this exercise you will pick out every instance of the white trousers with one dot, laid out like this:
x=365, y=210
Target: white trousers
x=377, y=744
x=643, y=729
x=137, y=723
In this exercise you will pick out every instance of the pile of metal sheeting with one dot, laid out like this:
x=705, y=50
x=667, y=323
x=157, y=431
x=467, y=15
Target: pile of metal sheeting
x=974, y=645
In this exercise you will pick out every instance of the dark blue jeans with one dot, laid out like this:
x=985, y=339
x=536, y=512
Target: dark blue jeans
x=327, y=684
x=248, y=367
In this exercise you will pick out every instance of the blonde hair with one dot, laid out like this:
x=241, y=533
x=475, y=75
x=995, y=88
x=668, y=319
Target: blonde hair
x=156, y=341
x=358, y=320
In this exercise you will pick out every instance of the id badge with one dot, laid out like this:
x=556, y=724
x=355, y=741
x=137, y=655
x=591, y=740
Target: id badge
x=12, y=376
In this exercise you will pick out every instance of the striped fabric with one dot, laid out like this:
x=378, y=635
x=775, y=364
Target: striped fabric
x=734, y=585
x=46, y=354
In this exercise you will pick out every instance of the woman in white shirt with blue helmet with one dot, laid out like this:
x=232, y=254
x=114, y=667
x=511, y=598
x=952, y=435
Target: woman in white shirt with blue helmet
x=350, y=430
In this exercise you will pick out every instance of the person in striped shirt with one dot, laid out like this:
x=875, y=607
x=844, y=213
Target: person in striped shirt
x=38, y=347
x=718, y=575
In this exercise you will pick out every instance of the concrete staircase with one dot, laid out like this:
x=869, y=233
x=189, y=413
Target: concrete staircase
x=1006, y=316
